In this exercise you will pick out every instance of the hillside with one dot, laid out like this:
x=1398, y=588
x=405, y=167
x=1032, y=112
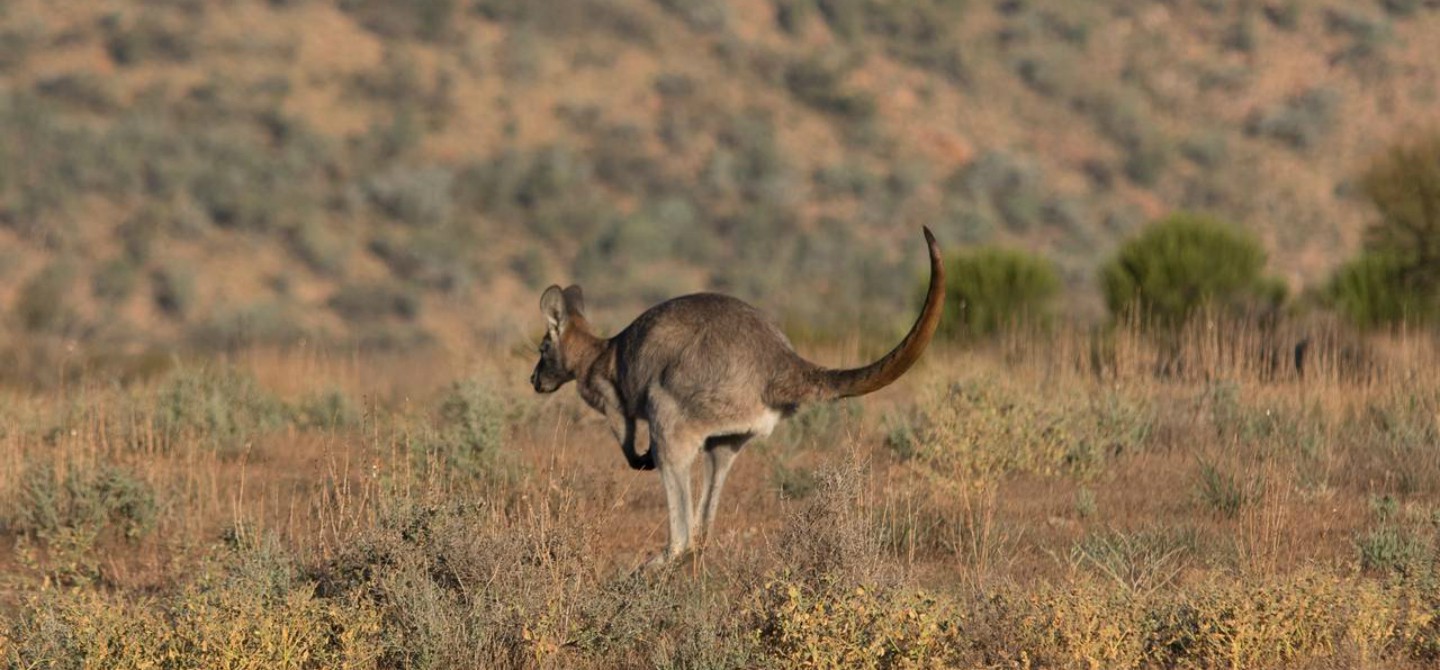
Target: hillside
x=236, y=171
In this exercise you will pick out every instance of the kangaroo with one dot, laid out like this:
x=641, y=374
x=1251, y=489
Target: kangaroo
x=707, y=373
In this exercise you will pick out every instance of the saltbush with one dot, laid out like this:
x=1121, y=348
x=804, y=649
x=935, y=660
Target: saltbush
x=218, y=408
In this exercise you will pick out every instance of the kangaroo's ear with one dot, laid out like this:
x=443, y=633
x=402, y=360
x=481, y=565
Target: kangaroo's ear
x=574, y=300
x=552, y=305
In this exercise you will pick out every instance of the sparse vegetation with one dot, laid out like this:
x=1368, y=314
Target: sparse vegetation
x=847, y=560
x=268, y=307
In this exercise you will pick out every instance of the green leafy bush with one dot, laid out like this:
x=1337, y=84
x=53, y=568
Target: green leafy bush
x=1397, y=278
x=1372, y=291
x=1184, y=262
x=991, y=288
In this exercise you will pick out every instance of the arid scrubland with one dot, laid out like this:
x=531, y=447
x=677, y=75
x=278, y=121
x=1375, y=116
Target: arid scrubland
x=1049, y=500
x=268, y=273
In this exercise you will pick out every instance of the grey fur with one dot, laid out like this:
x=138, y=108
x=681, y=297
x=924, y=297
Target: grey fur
x=707, y=373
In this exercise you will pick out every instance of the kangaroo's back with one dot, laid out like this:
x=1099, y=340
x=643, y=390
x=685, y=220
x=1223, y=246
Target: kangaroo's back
x=713, y=353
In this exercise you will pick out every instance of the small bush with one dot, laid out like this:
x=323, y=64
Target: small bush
x=82, y=90
x=1224, y=492
x=148, y=39
x=326, y=410
x=376, y=301
x=1377, y=289
x=174, y=289
x=990, y=289
x=220, y=409
x=820, y=83
x=92, y=499
x=115, y=280
x=1397, y=278
x=1302, y=121
x=415, y=19
x=469, y=436
x=233, y=617
x=322, y=250
x=858, y=627
x=699, y=15
x=1184, y=262
x=417, y=197
x=231, y=328
x=43, y=303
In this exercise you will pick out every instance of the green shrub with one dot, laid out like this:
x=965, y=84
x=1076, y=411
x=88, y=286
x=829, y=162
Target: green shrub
x=231, y=328
x=42, y=305
x=375, y=301
x=989, y=289
x=220, y=409
x=327, y=410
x=414, y=196
x=1375, y=290
x=237, y=616
x=414, y=19
x=1302, y=121
x=92, y=499
x=148, y=38
x=115, y=280
x=470, y=434
x=1397, y=278
x=1224, y=492
x=174, y=286
x=699, y=15
x=1184, y=262
x=820, y=83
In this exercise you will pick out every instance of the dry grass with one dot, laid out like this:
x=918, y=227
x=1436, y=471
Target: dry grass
x=1056, y=500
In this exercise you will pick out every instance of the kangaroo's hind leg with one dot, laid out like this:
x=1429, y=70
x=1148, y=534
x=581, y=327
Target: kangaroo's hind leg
x=720, y=453
x=675, y=445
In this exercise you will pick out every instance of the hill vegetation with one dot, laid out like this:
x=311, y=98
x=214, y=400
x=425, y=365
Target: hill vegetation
x=210, y=174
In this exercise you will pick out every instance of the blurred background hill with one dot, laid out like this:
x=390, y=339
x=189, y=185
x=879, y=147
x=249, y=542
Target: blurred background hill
x=388, y=174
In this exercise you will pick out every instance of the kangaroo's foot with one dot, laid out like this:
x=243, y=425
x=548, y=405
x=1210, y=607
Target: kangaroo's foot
x=645, y=461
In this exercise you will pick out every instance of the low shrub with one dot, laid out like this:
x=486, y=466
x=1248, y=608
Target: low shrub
x=375, y=301
x=215, y=408
x=430, y=20
x=468, y=439
x=1184, y=262
x=230, y=616
x=89, y=498
x=44, y=301
x=990, y=289
x=853, y=627
x=1302, y=121
x=1397, y=278
x=1378, y=289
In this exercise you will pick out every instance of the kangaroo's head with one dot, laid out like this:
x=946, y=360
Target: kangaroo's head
x=564, y=329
